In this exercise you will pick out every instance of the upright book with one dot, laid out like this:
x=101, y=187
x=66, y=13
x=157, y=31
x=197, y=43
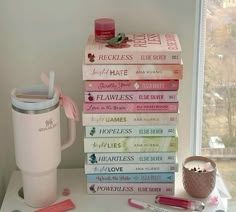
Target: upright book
x=136, y=49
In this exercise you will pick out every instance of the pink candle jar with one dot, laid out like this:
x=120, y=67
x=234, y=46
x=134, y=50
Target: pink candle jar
x=199, y=176
x=104, y=29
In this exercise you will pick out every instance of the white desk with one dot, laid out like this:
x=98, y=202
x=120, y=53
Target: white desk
x=75, y=180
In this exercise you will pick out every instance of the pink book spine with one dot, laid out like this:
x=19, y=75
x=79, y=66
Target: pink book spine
x=132, y=72
x=134, y=58
x=132, y=107
x=136, y=49
x=131, y=85
x=131, y=188
x=132, y=96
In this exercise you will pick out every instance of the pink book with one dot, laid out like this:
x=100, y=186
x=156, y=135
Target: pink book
x=130, y=107
x=132, y=72
x=131, y=96
x=131, y=85
x=136, y=49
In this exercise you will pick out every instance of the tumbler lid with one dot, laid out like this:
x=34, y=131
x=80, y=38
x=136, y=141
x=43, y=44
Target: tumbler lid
x=33, y=98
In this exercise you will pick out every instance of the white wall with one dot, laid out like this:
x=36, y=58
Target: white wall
x=46, y=35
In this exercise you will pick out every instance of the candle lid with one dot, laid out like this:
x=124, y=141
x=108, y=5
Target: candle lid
x=104, y=24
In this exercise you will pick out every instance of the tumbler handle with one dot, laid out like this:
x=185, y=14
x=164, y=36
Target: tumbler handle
x=71, y=134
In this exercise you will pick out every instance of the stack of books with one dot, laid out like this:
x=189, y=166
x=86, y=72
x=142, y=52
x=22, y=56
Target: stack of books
x=130, y=114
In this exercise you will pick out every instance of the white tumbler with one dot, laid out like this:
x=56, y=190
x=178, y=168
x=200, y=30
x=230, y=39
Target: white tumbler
x=38, y=145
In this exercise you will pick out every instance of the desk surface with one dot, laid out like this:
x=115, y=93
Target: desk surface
x=75, y=180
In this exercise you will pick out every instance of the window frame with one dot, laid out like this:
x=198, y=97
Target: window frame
x=198, y=78
x=198, y=89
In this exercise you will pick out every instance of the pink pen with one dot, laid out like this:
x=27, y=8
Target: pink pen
x=180, y=202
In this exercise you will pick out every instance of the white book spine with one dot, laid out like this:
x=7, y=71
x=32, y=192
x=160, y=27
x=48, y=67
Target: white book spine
x=131, y=144
x=130, y=168
x=130, y=131
x=131, y=188
x=142, y=157
x=129, y=118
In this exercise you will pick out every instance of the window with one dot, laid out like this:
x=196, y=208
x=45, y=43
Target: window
x=216, y=97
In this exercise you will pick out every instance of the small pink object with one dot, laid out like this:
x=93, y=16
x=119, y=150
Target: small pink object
x=134, y=204
x=104, y=29
x=66, y=192
x=208, y=167
x=214, y=200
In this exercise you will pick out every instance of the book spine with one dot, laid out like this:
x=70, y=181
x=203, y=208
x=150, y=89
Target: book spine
x=142, y=157
x=131, y=188
x=130, y=168
x=130, y=131
x=131, y=85
x=131, y=144
x=156, y=177
x=163, y=57
x=132, y=107
x=129, y=72
x=131, y=96
x=129, y=119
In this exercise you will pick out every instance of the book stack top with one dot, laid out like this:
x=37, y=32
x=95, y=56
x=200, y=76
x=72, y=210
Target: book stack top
x=137, y=49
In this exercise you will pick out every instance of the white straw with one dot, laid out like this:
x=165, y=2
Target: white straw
x=51, y=84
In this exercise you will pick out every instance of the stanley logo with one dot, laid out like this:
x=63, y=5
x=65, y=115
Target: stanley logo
x=49, y=124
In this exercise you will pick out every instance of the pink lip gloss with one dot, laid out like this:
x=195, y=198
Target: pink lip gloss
x=180, y=202
x=104, y=29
